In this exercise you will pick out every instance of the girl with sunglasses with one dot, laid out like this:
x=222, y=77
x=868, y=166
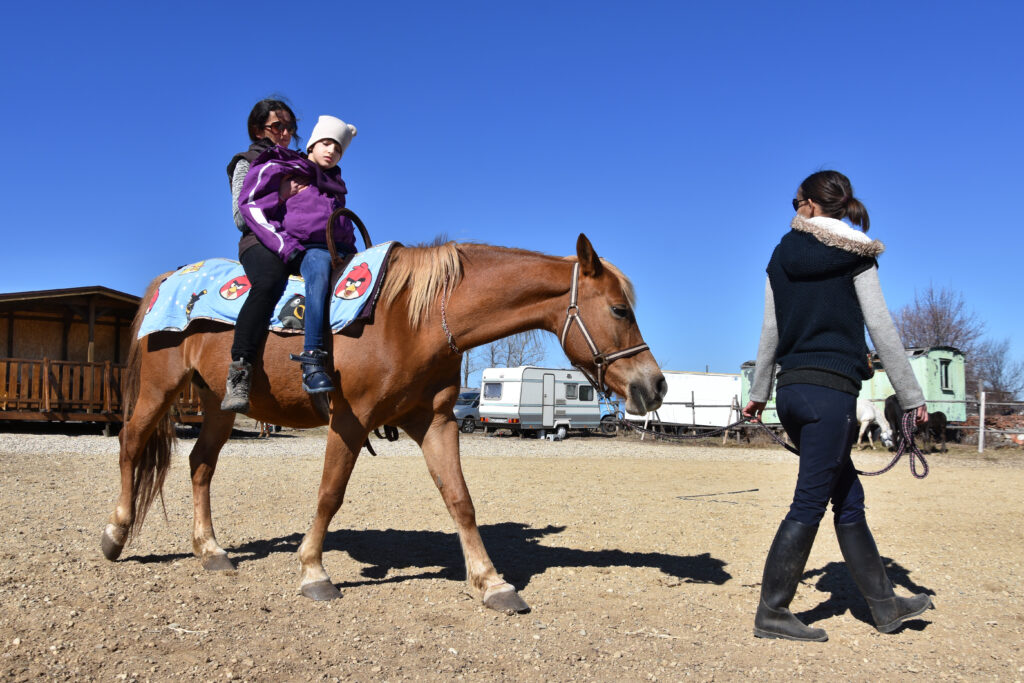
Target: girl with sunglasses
x=271, y=123
x=822, y=289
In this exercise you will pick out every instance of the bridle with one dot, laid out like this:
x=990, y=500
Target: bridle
x=600, y=360
x=572, y=315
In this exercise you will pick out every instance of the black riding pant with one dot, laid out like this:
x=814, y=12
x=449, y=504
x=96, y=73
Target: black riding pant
x=268, y=276
x=822, y=423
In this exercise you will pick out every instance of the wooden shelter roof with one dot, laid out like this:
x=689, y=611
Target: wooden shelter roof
x=51, y=299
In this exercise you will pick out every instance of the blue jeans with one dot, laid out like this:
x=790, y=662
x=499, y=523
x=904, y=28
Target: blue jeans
x=822, y=423
x=315, y=269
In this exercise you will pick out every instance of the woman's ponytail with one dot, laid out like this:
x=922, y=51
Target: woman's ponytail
x=857, y=214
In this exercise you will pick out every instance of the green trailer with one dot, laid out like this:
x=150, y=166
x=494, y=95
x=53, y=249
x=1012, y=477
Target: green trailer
x=939, y=371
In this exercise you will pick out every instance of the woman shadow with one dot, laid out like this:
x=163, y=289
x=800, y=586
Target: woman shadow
x=835, y=579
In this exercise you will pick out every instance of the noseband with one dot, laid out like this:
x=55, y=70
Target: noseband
x=601, y=360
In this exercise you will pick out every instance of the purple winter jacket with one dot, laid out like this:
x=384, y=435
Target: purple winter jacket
x=287, y=228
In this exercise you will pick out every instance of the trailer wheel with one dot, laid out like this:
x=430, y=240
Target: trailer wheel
x=560, y=432
x=608, y=425
x=468, y=426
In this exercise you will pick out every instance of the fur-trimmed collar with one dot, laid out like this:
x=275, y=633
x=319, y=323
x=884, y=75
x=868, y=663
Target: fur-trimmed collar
x=835, y=233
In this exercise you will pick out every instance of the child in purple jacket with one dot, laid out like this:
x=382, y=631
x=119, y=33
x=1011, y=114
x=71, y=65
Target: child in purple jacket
x=286, y=201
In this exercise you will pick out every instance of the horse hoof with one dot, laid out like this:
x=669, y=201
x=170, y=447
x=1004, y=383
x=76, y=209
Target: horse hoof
x=218, y=563
x=320, y=591
x=111, y=548
x=507, y=601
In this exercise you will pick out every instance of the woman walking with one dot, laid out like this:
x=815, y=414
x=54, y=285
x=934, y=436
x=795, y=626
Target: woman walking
x=821, y=291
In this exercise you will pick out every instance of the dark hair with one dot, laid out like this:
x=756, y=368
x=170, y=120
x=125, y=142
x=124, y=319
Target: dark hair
x=831, y=190
x=261, y=112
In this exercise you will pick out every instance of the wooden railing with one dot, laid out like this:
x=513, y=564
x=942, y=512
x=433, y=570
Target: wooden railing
x=32, y=389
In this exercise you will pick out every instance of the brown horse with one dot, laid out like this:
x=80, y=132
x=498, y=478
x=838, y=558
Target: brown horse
x=400, y=369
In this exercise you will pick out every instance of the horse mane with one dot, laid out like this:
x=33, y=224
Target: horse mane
x=422, y=273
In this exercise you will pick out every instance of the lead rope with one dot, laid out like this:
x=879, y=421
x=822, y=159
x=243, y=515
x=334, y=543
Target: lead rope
x=906, y=444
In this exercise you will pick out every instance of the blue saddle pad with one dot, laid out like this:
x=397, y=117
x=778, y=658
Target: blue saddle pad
x=214, y=289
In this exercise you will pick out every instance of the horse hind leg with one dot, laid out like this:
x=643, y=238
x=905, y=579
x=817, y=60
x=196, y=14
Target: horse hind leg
x=440, y=445
x=860, y=436
x=215, y=430
x=147, y=441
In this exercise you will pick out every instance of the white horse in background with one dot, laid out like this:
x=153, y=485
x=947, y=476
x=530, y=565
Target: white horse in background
x=867, y=413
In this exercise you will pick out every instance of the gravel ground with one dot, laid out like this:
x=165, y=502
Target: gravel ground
x=641, y=561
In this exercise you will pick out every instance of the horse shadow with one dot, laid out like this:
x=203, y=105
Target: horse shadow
x=835, y=579
x=514, y=548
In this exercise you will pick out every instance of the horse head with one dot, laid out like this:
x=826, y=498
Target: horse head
x=608, y=346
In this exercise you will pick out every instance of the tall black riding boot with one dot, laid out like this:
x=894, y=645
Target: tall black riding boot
x=861, y=555
x=782, y=571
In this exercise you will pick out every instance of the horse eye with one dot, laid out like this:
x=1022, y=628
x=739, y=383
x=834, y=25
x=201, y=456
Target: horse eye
x=620, y=311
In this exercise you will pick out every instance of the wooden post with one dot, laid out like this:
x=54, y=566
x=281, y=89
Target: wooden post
x=46, y=385
x=10, y=334
x=65, y=333
x=92, y=330
x=106, y=387
x=981, y=419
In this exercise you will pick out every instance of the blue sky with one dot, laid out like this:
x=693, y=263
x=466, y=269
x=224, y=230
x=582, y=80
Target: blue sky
x=674, y=134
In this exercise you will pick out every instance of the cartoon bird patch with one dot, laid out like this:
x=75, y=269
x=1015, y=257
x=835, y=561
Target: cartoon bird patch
x=355, y=284
x=236, y=288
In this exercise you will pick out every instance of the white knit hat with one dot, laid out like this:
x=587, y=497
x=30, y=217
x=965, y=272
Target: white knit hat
x=332, y=128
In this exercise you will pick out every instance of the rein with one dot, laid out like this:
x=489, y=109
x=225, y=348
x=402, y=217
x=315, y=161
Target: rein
x=906, y=444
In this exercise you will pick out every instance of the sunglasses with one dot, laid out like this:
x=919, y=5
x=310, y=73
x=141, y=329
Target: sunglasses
x=280, y=127
x=797, y=203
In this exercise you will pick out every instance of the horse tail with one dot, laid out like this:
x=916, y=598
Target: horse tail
x=151, y=464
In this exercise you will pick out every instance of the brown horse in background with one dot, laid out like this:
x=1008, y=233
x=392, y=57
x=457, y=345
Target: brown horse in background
x=402, y=369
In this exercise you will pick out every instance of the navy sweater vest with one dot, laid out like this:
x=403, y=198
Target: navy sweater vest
x=820, y=324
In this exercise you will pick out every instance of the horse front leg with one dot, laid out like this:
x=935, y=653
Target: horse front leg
x=440, y=445
x=344, y=440
x=202, y=460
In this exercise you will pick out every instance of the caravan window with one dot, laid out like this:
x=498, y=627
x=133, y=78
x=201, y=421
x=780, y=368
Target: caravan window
x=492, y=391
x=944, y=364
x=570, y=391
x=586, y=392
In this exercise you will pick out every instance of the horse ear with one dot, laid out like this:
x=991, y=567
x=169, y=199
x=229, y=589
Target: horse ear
x=590, y=264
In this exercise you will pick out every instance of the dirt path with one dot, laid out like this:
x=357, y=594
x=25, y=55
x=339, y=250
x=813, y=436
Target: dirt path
x=640, y=561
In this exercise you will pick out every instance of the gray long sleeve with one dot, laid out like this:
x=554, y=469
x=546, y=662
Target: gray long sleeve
x=241, y=170
x=764, y=367
x=887, y=340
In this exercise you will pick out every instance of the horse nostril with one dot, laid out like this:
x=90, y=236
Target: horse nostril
x=662, y=387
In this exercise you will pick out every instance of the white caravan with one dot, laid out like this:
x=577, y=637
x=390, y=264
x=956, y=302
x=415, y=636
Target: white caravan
x=696, y=399
x=537, y=400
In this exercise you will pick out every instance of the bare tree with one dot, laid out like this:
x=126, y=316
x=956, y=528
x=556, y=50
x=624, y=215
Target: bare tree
x=939, y=317
x=999, y=376
x=524, y=348
x=471, y=362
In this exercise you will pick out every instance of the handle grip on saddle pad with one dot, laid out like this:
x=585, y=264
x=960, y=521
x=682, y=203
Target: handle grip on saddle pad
x=351, y=215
